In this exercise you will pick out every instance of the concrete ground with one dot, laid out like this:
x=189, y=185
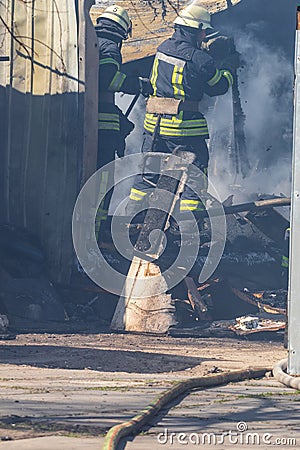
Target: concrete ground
x=60, y=392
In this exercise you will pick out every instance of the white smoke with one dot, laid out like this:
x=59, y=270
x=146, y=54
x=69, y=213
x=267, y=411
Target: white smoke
x=265, y=85
x=133, y=145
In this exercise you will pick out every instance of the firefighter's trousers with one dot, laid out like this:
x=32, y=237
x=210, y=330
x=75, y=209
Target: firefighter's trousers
x=190, y=199
x=108, y=142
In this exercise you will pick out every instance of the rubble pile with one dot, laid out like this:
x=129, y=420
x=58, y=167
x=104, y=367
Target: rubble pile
x=249, y=281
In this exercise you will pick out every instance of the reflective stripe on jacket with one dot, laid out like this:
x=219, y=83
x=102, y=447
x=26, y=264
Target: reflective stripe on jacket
x=182, y=71
x=111, y=80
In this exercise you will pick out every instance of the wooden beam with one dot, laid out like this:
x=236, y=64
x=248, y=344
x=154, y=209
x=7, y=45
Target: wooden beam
x=196, y=300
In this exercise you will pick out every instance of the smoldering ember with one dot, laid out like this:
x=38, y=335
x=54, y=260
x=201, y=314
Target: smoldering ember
x=148, y=207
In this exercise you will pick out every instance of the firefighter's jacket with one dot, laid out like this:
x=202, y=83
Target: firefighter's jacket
x=182, y=71
x=111, y=80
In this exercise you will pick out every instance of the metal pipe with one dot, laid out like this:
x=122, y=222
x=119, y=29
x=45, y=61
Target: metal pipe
x=131, y=106
x=251, y=206
x=234, y=209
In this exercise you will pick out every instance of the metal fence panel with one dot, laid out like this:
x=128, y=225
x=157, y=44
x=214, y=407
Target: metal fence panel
x=43, y=132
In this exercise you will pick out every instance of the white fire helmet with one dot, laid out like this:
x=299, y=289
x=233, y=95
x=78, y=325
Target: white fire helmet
x=194, y=16
x=118, y=15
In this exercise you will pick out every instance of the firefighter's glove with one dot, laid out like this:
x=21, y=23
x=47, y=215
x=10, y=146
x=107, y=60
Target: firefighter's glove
x=146, y=88
x=219, y=47
x=232, y=62
x=222, y=50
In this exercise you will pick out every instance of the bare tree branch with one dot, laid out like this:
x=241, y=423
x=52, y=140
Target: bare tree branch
x=14, y=36
x=160, y=7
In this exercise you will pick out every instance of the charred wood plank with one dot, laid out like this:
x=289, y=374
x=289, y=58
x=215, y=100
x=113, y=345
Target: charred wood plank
x=244, y=296
x=207, y=285
x=196, y=300
x=243, y=207
x=234, y=209
x=269, y=222
x=217, y=329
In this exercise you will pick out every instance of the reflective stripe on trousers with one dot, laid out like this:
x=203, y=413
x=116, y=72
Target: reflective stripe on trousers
x=108, y=121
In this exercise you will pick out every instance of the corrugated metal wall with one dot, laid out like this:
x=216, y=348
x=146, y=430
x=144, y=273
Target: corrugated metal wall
x=48, y=113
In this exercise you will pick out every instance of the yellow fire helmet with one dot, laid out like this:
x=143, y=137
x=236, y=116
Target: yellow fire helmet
x=194, y=16
x=119, y=15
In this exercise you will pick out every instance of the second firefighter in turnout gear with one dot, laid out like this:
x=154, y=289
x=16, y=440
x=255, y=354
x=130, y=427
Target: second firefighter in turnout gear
x=113, y=26
x=184, y=71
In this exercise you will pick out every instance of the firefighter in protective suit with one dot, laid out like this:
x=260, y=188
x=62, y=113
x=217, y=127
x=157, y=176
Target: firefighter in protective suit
x=113, y=26
x=184, y=71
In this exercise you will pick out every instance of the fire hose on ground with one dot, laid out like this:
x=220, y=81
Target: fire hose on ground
x=135, y=425
x=280, y=375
